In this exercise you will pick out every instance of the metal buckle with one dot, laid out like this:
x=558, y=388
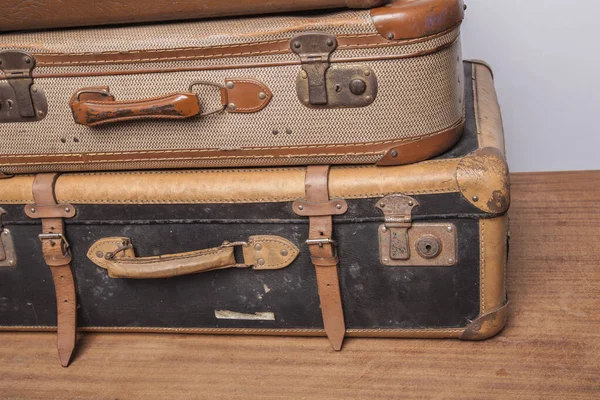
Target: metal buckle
x=54, y=236
x=206, y=83
x=233, y=244
x=321, y=242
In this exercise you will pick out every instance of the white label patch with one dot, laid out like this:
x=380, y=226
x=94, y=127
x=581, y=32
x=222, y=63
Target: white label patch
x=259, y=316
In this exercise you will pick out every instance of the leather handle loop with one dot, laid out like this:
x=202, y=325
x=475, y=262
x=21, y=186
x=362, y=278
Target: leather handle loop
x=261, y=252
x=102, y=109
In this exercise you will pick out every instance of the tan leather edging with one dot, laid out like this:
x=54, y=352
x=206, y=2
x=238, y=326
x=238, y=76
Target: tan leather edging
x=410, y=150
x=450, y=333
x=401, y=20
x=488, y=117
x=493, y=257
x=231, y=185
x=281, y=46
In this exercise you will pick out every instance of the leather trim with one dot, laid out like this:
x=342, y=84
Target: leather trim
x=411, y=150
x=230, y=185
x=331, y=207
x=483, y=179
x=487, y=325
x=490, y=130
x=450, y=333
x=401, y=19
x=493, y=235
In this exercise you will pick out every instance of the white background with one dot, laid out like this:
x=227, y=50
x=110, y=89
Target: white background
x=546, y=60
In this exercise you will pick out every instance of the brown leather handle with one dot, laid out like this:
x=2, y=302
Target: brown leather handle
x=261, y=252
x=98, y=107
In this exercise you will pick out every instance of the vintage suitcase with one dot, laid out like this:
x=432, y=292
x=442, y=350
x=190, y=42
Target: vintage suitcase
x=422, y=247
x=370, y=86
x=45, y=14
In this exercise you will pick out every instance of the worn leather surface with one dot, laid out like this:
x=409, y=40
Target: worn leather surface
x=409, y=19
x=246, y=95
x=35, y=14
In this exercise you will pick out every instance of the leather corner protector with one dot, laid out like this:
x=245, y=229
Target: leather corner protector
x=402, y=20
x=99, y=249
x=246, y=95
x=266, y=252
x=483, y=179
x=62, y=210
x=332, y=207
x=487, y=325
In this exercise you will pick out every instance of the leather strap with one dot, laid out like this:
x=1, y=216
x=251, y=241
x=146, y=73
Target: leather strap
x=57, y=256
x=324, y=256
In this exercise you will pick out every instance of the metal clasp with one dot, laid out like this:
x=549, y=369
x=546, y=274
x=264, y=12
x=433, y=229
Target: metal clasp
x=321, y=242
x=8, y=256
x=55, y=236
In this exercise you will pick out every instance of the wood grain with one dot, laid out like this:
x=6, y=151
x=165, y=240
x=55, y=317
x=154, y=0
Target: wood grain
x=549, y=350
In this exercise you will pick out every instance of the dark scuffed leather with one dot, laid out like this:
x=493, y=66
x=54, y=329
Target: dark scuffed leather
x=44, y=14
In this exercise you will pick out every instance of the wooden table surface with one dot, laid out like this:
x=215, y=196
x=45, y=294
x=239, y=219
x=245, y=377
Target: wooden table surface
x=550, y=348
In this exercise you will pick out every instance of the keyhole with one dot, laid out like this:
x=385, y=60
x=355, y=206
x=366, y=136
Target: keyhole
x=338, y=88
x=10, y=104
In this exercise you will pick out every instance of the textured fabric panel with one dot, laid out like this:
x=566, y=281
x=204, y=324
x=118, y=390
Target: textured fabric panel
x=416, y=96
x=393, y=49
x=216, y=32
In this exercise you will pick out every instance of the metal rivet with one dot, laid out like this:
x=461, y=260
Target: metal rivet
x=475, y=198
x=357, y=86
x=390, y=35
x=303, y=74
x=232, y=106
x=261, y=261
x=32, y=210
x=477, y=327
x=34, y=89
x=67, y=209
x=449, y=229
x=300, y=207
x=40, y=113
x=329, y=42
x=262, y=95
x=27, y=60
x=381, y=205
x=99, y=254
x=297, y=45
x=283, y=252
x=411, y=203
x=11, y=262
x=384, y=229
x=230, y=85
x=338, y=206
x=368, y=98
x=386, y=260
x=451, y=261
x=258, y=246
x=367, y=72
x=394, y=153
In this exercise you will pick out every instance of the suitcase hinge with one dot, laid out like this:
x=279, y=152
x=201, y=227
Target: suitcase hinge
x=8, y=257
x=20, y=99
x=405, y=243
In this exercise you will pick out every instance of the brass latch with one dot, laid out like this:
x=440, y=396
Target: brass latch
x=323, y=86
x=8, y=257
x=403, y=242
x=20, y=99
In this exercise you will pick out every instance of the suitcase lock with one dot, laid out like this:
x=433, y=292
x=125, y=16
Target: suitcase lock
x=320, y=85
x=8, y=256
x=20, y=99
x=403, y=242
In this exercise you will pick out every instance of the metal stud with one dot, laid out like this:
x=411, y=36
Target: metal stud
x=40, y=113
x=450, y=229
x=338, y=206
x=394, y=153
x=99, y=254
x=367, y=72
x=297, y=45
x=230, y=85
x=451, y=261
x=34, y=89
x=32, y=210
x=261, y=261
x=411, y=203
x=232, y=106
x=262, y=95
x=390, y=35
x=384, y=229
x=329, y=42
x=475, y=198
x=67, y=209
x=258, y=247
x=283, y=252
x=300, y=207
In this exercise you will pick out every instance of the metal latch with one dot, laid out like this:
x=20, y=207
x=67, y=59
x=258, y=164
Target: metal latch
x=20, y=99
x=8, y=257
x=405, y=243
x=320, y=85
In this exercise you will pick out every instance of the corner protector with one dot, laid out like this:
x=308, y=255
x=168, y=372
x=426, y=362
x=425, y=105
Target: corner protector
x=486, y=325
x=483, y=179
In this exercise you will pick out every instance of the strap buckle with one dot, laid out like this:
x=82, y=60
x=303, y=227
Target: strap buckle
x=321, y=242
x=55, y=236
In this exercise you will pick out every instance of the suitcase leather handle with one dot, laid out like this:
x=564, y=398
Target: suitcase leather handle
x=95, y=106
x=262, y=252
